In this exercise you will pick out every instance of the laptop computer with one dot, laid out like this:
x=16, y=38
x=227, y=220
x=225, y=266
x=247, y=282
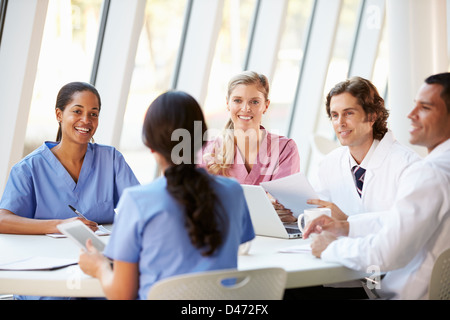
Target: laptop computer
x=265, y=219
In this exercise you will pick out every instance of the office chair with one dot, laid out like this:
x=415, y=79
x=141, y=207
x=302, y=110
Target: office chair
x=440, y=278
x=229, y=284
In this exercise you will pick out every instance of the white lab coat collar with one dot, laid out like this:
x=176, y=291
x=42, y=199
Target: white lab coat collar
x=374, y=158
x=382, y=151
x=377, y=152
x=441, y=148
x=366, y=160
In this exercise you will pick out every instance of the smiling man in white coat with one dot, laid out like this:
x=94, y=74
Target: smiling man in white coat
x=406, y=242
x=362, y=175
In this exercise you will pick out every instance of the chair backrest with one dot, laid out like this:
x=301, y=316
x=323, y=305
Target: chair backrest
x=229, y=284
x=440, y=278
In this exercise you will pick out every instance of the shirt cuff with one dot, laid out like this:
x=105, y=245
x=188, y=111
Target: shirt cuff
x=365, y=223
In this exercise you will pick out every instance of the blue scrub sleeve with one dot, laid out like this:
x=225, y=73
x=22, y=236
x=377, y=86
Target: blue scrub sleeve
x=124, y=176
x=248, y=232
x=126, y=238
x=19, y=195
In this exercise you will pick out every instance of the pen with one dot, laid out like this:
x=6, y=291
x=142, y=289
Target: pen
x=77, y=213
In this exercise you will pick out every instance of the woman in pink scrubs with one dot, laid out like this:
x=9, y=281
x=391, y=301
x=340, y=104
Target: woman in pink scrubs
x=245, y=150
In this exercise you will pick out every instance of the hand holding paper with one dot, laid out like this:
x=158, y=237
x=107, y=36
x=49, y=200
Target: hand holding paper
x=292, y=192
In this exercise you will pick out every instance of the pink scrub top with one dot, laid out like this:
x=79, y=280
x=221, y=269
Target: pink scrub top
x=278, y=157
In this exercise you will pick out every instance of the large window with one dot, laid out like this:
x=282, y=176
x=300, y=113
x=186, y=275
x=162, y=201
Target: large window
x=152, y=75
x=380, y=71
x=2, y=17
x=340, y=59
x=67, y=53
x=288, y=65
x=228, y=59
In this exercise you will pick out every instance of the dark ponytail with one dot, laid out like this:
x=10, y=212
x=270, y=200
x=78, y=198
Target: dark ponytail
x=190, y=186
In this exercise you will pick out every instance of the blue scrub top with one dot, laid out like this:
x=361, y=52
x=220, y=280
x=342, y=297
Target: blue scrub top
x=150, y=230
x=40, y=187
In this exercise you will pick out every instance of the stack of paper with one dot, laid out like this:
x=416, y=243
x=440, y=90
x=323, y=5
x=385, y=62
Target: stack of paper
x=37, y=263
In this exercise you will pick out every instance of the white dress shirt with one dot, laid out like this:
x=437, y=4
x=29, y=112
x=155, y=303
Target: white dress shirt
x=406, y=242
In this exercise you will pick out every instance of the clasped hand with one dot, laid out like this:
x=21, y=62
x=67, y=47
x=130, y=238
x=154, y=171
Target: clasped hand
x=324, y=230
x=285, y=214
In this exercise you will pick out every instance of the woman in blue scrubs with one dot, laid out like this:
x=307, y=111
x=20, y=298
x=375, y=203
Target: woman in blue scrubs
x=185, y=221
x=72, y=171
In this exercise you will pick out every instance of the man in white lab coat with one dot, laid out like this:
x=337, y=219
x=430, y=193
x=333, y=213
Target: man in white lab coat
x=406, y=242
x=359, y=118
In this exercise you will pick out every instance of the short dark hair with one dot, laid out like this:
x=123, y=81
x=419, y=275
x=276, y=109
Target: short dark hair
x=444, y=80
x=369, y=99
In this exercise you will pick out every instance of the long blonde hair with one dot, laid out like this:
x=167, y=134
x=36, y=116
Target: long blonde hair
x=221, y=157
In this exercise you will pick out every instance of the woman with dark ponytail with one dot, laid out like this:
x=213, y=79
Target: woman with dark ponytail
x=187, y=185
x=185, y=221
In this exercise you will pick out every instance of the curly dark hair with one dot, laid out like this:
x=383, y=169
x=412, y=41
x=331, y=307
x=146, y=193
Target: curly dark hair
x=369, y=99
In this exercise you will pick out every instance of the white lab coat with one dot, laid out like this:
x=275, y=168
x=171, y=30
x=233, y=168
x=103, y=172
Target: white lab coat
x=409, y=239
x=383, y=172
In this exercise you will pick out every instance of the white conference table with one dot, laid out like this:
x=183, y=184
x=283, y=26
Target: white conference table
x=303, y=269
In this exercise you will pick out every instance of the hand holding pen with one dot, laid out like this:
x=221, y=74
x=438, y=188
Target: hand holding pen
x=91, y=224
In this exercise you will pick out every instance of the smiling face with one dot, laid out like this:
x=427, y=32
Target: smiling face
x=79, y=120
x=350, y=122
x=247, y=104
x=430, y=119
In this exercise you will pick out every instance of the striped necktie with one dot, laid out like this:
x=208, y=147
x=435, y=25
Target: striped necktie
x=359, y=174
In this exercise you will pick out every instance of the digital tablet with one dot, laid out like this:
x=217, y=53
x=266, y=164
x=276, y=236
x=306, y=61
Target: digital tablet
x=79, y=233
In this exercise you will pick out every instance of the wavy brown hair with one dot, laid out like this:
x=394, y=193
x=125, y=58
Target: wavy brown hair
x=369, y=99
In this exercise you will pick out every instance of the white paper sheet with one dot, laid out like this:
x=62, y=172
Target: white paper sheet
x=292, y=192
x=37, y=263
x=297, y=249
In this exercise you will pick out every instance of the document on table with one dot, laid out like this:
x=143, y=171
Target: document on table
x=101, y=231
x=297, y=249
x=37, y=263
x=292, y=192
